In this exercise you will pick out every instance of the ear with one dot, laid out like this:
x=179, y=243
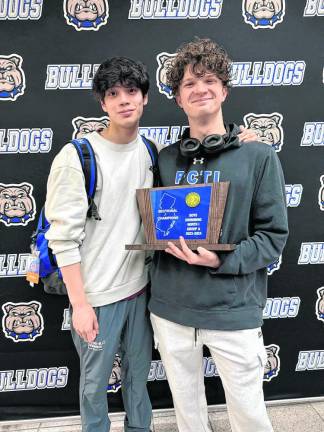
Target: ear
x=26, y=188
x=8, y=307
x=225, y=93
x=163, y=57
x=15, y=60
x=249, y=119
x=103, y=106
x=178, y=100
x=145, y=99
x=276, y=118
x=79, y=122
x=35, y=306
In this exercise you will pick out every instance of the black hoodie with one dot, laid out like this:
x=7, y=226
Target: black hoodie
x=233, y=296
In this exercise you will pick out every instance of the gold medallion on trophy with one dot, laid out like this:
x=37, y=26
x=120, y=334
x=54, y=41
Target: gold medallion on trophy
x=192, y=199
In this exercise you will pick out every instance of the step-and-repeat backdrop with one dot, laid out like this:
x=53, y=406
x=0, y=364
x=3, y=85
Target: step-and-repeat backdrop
x=49, y=51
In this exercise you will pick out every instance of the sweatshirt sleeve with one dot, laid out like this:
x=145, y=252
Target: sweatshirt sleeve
x=66, y=207
x=269, y=227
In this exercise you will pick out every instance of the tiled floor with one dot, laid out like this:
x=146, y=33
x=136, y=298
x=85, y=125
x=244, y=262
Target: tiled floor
x=301, y=417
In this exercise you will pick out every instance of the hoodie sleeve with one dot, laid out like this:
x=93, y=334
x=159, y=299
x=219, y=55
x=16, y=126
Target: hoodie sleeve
x=66, y=207
x=269, y=224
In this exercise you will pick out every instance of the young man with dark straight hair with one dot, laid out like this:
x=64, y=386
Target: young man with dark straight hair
x=107, y=284
x=208, y=298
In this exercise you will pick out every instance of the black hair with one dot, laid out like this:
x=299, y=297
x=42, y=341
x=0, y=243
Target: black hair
x=120, y=71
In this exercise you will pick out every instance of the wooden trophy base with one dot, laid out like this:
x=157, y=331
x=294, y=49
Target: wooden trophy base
x=193, y=246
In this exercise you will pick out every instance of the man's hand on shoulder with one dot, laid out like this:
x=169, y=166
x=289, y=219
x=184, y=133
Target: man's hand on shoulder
x=204, y=257
x=85, y=322
x=247, y=135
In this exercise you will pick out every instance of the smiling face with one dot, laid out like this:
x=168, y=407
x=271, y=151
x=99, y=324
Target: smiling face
x=201, y=95
x=124, y=106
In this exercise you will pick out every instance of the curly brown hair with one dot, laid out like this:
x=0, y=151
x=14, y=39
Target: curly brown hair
x=202, y=55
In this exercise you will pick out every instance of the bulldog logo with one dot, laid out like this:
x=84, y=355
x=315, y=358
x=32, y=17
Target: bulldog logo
x=12, y=77
x=272, y=366
x=114, y=382
x=83, y=126
x=22, y=322
x=164, y=61
x=321, y=194
x=268, y=127
x=86, y=14
x=274, y=266
x=319, y=308
x=263, y=13
x=17, y=205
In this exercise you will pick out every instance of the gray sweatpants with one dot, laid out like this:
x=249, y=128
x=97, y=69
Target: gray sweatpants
x=124, y=327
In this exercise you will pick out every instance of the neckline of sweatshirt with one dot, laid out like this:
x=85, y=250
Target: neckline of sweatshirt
x=127, y=147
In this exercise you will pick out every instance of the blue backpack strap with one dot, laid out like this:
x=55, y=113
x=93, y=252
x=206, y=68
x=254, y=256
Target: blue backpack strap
x=47, y=258
x=151, y=148
x=89, y=168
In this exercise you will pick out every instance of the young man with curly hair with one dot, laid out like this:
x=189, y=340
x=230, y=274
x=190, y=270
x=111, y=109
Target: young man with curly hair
x=208, y=298
x=107, y=284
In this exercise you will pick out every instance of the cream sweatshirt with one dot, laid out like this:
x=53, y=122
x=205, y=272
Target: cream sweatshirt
x=109, y=272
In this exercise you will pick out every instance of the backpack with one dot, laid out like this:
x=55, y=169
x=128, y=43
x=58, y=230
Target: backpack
x=49, y=271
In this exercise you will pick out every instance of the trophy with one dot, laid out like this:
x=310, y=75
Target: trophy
x=194, y=212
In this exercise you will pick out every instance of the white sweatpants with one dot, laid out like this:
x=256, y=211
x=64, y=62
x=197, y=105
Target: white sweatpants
x=240, y=357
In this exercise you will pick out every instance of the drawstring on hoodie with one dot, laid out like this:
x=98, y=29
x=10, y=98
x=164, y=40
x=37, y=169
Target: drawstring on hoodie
x=196, y=333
